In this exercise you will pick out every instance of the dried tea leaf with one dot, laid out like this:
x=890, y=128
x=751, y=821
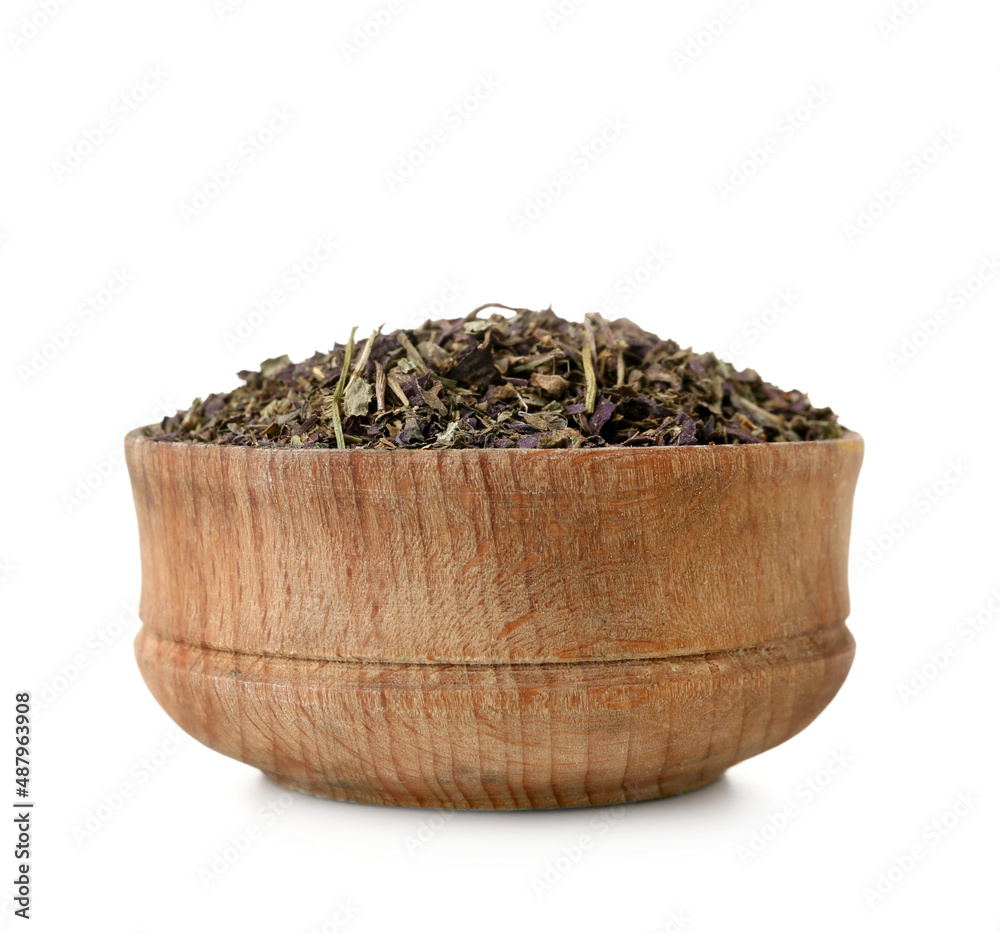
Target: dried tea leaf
x=545, y=421
x=447, y=437
x=551, y=383
x=413, y=355
x=530, y=380
x=274, y=365
x=430, y=397
x=357, y=398
x=411, y=433
x=476, y=366
x=439, y=358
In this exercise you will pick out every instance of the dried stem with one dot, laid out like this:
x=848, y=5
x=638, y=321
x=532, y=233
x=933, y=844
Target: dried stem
x=395, y=387
x=338, y=393
x=380, y=386
x=613, y=345
x=363, y=359
x=412, y=353
x=588, y=369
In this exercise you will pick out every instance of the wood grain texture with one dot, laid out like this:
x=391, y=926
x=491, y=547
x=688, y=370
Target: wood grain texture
x=494, y=629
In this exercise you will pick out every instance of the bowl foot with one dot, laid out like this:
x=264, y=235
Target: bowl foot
x=552, y=798
x=496, y=737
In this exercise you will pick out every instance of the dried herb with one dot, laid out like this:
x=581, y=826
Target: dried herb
x=531, y=380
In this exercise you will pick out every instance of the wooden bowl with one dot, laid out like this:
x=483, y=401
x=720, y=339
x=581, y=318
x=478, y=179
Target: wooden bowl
x=494, y=628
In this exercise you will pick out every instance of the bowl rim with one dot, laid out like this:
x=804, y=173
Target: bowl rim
x=139, y=436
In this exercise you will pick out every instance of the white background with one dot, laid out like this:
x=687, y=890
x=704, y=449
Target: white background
x=71, y=218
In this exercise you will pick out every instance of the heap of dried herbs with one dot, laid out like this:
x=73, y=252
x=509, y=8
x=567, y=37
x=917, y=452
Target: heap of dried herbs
x=532, y=380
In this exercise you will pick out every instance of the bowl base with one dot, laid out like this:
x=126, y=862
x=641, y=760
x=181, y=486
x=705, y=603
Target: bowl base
x=678, y=785
x=496, y=737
